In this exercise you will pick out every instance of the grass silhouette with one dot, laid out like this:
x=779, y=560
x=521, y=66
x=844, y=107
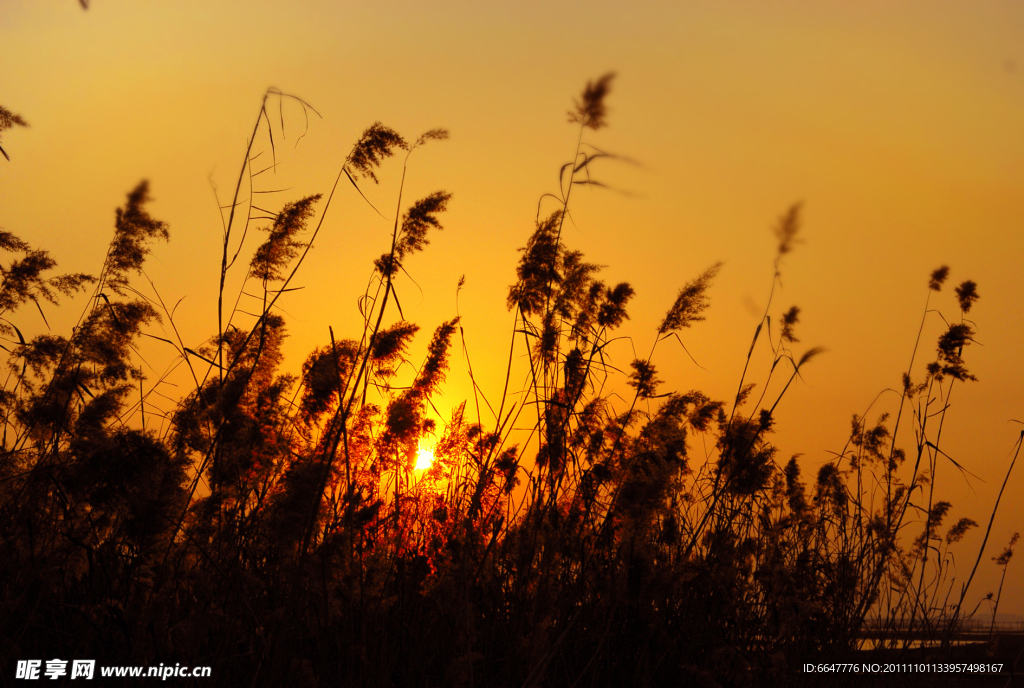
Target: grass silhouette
x=278, y=530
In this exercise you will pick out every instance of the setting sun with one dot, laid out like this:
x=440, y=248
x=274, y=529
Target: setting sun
x=424, y=458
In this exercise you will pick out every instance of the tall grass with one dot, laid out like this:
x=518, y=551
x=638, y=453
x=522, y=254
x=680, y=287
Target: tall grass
x=276, y=527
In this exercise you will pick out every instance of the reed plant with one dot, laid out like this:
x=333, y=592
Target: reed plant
x=275, y=526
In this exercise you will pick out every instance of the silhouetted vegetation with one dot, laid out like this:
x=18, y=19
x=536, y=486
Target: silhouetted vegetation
x=276, y=528
x=9, y=119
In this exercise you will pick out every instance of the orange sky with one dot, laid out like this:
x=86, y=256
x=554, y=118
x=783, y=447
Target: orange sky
x=897, y=124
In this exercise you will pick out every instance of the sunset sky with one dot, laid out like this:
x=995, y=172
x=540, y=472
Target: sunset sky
x=899, y=126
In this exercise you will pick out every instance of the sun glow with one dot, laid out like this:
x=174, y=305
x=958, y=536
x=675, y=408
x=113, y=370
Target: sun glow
x=424, y=458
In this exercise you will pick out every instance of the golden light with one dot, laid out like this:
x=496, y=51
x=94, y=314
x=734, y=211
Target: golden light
x=424, y=458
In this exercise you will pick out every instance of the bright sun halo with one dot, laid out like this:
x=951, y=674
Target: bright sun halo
x=424, y=457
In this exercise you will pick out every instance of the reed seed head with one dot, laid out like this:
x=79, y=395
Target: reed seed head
x=590, y=109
